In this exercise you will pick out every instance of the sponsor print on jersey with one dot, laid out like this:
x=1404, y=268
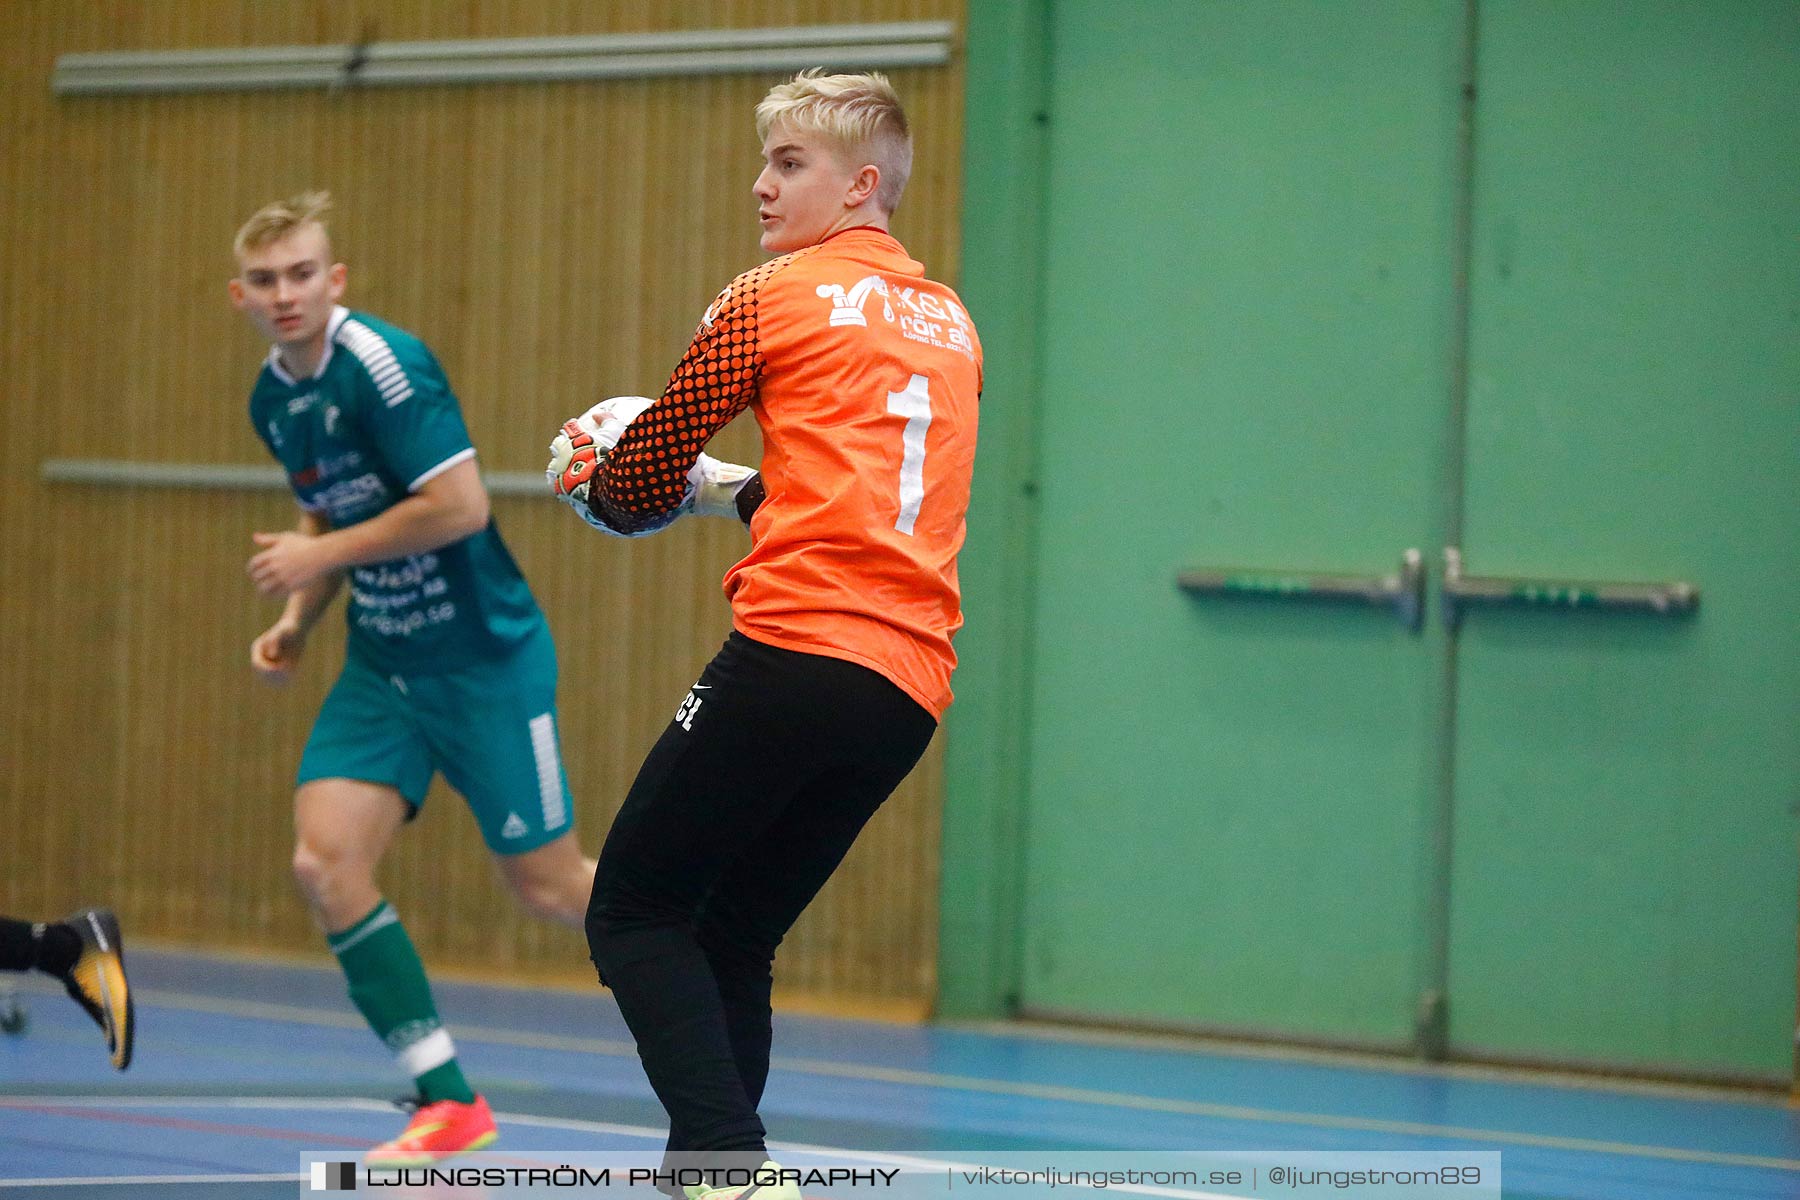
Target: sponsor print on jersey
x=934, y=321
x=401, y=598
x=923, y=318
x=405, y=625
x=350, y=500
x=325, y=468
x=847, y=306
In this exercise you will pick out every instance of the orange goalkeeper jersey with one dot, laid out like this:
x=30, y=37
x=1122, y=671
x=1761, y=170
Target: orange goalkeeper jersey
x=865, y=377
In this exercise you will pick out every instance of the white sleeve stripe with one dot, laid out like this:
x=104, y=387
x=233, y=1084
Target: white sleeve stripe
x=427, y=477
x=377, y=358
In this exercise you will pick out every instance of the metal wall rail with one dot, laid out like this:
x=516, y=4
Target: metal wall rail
x=232, y=477
x=505, y=60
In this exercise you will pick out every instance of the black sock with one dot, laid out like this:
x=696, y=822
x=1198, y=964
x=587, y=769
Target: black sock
x=59, y=946
x=18, y=946
x=52, y=949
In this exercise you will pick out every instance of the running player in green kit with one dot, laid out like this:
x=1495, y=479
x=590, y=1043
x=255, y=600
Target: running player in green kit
x=449, y=665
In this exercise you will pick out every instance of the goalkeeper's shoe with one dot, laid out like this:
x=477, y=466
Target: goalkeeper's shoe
x=97, y=980
x=438, y=1131
x=767, y=1184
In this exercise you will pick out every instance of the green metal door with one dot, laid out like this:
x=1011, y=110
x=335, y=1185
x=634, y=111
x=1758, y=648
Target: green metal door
x=1624, y=874
x=1246, y=304
x=1304, y=820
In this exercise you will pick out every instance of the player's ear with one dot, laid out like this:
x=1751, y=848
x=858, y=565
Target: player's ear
x=863, y=184
x=235, y=287
x=338, y=276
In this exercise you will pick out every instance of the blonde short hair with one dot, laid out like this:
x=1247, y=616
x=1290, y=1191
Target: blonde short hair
x=272, y=222
x=859, y=112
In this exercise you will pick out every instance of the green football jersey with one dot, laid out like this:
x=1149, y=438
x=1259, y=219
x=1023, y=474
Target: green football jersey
x=374, y=423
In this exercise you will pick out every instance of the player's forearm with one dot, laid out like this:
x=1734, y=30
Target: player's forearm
x=307, y=603
x=416, y=525
x=645, y=477
x=647, y=474
x=714, y=488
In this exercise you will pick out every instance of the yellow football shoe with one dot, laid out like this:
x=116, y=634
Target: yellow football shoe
x=97, y=980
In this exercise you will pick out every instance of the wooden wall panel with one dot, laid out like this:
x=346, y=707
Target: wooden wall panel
x=554, y=243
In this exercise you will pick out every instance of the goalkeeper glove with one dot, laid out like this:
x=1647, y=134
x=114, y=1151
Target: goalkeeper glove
x=577, y=452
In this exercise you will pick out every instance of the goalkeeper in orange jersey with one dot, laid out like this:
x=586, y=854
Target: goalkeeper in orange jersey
x=864, y=376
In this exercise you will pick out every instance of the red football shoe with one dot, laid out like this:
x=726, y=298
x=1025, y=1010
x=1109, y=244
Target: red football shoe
x=436, y=1132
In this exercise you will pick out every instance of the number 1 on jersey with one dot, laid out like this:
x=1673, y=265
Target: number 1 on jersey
x=914, y=403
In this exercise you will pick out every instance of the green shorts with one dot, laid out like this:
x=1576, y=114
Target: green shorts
x=490, y=728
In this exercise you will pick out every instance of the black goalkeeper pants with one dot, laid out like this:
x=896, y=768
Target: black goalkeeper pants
x=743, y=809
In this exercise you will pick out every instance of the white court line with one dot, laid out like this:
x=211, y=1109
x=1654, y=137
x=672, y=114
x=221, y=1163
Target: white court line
x=136, y=1180
x=852, y=1156
x=264, y=1102
x=643, y=1131
x=1175, y=1043
x=130, y=1101
x=1220, y=1045
x=527, y=1119
x=1035, y=1091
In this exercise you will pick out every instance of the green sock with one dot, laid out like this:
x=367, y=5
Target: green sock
x=388, y=986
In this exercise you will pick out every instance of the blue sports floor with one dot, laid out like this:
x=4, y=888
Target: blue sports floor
x=241, y=1067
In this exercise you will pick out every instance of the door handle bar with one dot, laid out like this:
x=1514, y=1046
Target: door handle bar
x=1674, y=599
x=1403, y=590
